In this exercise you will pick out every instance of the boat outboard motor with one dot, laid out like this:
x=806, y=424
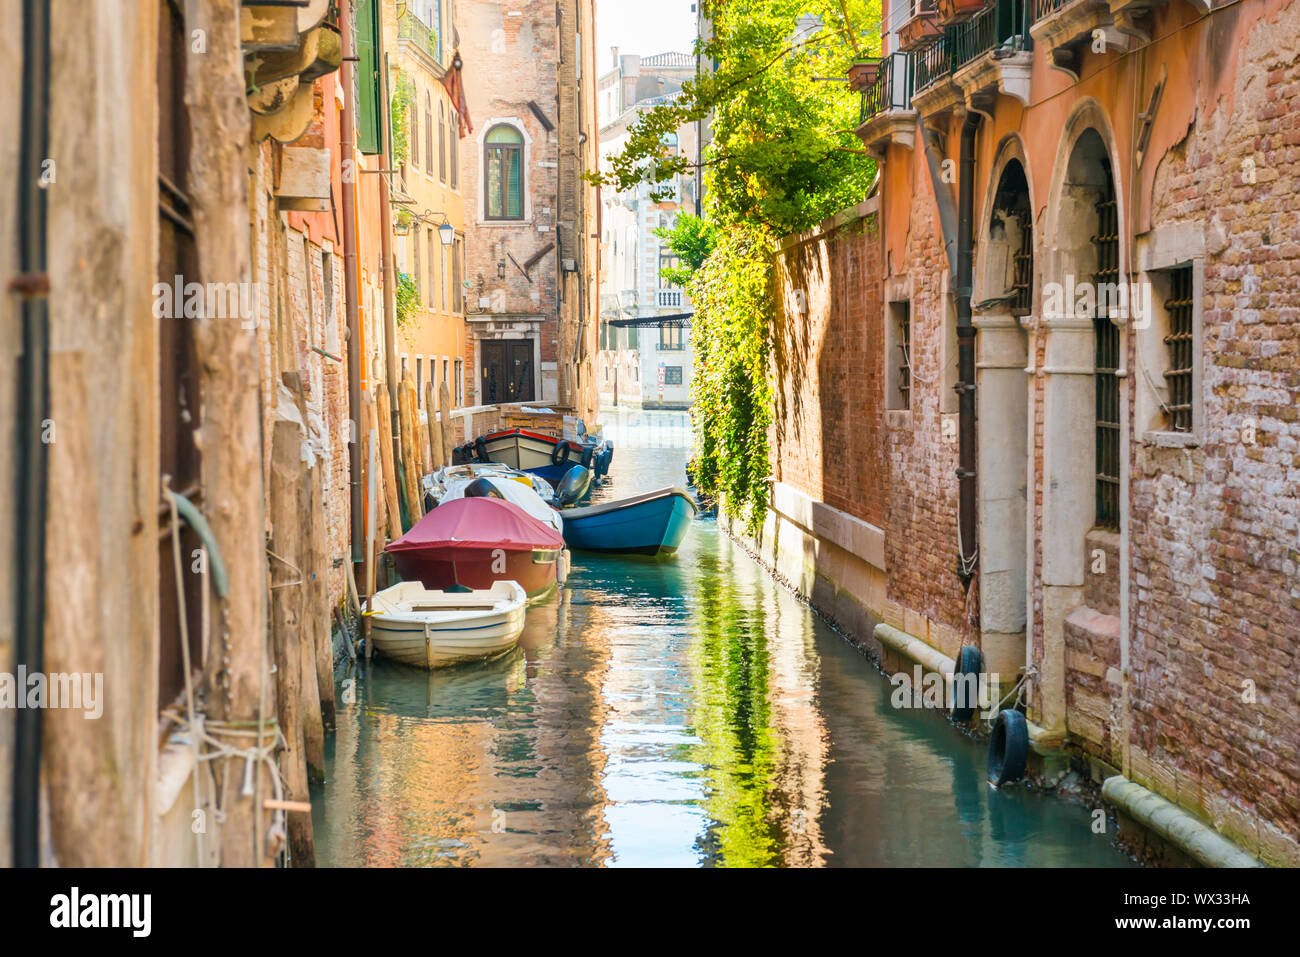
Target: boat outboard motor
x=573, y=486
x=602, y=458
x=482, y=488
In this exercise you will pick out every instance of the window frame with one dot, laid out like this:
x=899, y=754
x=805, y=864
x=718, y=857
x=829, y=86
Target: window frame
x=428, y=134
x=488, y=150
x=900, y=367
x=442, y=143
x=1166, y=247
x=1154, y=358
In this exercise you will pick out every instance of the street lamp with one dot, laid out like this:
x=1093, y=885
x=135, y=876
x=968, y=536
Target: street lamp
x=446, y=231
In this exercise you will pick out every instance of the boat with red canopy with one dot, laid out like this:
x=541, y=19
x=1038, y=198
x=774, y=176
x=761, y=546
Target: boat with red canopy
x=473, y=542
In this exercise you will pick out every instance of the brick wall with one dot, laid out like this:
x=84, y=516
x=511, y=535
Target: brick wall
x=828, y=438
x=833, y=438
x=1216, y=527
x=921, y=537
x=511, y=61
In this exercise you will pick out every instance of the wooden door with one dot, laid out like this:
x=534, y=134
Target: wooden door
x=508, y=371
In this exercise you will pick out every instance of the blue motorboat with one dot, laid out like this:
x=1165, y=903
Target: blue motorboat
x=651, y=523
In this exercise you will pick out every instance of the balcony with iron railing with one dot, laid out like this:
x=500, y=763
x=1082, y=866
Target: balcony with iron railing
x=410, y=27
x=891, y=89
x=983, y=55
x=931, y=65
x=887, y=115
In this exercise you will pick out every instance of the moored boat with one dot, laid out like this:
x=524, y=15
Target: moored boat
x=652, y=523
x=448, y=483
x=542, y=455
x=477, y=541
x=431, y=628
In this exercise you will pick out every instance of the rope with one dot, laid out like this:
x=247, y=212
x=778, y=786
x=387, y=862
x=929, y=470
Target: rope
x=183, y=615
x=253, y=756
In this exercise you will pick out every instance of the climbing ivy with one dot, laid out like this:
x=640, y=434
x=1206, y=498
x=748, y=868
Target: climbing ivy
x=731, y=386
x=400, y=107
x=408, y=298
x=783, y=158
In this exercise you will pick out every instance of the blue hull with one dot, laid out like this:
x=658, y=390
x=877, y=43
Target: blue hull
x=552, y=473
x=648, y=524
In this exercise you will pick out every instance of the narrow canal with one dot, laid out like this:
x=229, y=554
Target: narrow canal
x=681, y=713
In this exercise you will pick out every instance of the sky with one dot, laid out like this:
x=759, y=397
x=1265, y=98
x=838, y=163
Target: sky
x=644, y=27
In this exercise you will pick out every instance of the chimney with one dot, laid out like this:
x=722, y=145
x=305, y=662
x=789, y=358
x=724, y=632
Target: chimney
x=615, y=49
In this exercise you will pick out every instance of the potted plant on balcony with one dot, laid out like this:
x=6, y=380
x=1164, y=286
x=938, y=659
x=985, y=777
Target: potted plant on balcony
x=956, y=11
x=921, y=29
x=863, y=72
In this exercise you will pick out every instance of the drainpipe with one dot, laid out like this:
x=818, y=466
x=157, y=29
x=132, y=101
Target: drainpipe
x=966, y=351
x=32, y=284
x=351, y=282
x=942, y=194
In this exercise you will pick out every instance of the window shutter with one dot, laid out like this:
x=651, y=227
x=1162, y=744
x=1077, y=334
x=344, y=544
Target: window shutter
x=514, y=198
x=370, y=100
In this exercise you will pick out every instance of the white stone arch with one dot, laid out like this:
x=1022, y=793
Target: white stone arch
x=1088, y=115
x=1004, y=464
x=1069, y=433
x=525, y=168
x=1010, y=149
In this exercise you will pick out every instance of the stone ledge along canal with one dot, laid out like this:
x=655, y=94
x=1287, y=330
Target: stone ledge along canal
x=688, y=712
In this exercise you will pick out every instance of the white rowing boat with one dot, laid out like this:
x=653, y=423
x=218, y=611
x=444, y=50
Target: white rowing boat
x=431, y=629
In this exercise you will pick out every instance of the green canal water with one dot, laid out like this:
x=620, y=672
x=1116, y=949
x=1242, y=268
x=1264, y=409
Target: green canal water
x=688, y=712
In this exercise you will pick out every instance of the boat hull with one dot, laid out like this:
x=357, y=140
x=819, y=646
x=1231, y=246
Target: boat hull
x=534, y=570
x=526, y=451
x=437, y=629
x=650, y=524
x=413, y=644
x=532, y=451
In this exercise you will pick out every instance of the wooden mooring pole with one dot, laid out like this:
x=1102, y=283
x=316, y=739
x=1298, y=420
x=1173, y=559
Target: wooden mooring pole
x=288, y=588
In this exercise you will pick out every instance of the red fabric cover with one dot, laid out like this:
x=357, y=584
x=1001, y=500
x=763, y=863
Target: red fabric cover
x=478, y=523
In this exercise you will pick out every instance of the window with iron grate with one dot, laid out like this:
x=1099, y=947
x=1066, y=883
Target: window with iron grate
x=1179, y=347
x=1106, y=242
x=898, y=352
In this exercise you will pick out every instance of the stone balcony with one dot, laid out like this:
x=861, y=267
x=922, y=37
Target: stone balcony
x=286, y=48
x=990, y=56
x=1063, y=29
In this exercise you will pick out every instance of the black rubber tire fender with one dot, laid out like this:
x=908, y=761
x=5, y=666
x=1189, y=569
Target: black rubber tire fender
x=970, y=660
x=560, y=454
x=586, y=457
x=1008, y=748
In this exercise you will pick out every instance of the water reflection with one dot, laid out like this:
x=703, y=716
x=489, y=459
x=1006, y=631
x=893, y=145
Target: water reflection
x=688, y=712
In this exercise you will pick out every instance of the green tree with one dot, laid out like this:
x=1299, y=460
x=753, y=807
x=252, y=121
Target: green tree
x=691, y=238
x=783, y=158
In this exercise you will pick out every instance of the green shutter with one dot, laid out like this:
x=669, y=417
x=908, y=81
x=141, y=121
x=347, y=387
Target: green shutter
x=514, y=196
x=370, y=98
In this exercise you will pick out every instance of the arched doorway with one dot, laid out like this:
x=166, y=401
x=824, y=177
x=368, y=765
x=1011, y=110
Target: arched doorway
x=1003, y=296
x=1081, y=428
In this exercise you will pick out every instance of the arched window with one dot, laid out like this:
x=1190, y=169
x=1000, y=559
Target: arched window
x=442, y=143
x=503, y=172
x=428, y=134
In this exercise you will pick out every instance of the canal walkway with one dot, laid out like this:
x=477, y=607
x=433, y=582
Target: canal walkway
x=683, y=713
